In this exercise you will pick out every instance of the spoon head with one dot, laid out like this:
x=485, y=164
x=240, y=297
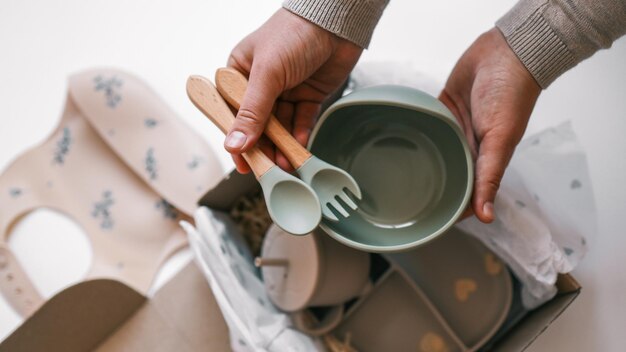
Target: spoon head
x=291, y=203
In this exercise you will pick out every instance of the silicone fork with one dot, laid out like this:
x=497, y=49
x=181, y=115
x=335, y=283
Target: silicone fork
x=329, y=182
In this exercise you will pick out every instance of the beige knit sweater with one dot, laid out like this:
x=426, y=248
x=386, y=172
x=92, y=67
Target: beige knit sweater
x=548, y=36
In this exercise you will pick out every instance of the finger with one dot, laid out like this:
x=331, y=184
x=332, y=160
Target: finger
x=284, y=114
x=267, y=147
x=494, y=154
x=304, y=120
x=241, y=57
x=255, y=108
x=463, y=117
x=240, y=163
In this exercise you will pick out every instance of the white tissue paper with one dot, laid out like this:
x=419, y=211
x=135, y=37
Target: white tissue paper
x=255, y=325
x=545, y=210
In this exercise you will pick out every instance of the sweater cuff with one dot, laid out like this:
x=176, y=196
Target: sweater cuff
x=353, y=20
x=535, y=42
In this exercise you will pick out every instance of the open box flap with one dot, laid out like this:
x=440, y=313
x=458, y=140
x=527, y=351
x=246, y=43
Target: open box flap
x=182, y=316
x=77, y=318
x=228, y=190
x=106, y=315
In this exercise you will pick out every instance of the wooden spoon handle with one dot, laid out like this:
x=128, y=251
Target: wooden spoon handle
x=232, y=86
x=206, y=98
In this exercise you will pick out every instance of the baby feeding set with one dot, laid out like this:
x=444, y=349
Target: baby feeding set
x=358, y=251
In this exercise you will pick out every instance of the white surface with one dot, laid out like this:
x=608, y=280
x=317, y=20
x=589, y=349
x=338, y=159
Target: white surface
x=41, y=42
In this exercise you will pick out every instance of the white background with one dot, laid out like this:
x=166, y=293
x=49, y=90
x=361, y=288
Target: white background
x=42, y=42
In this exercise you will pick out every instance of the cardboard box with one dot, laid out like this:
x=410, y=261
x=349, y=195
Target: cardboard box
x=518, y=338
x=106, y=315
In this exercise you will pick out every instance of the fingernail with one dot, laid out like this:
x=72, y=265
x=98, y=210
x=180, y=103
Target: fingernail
x=488, y=209
x=235, y=140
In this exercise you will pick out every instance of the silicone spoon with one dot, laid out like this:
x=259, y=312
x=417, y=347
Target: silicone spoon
x=292, y=204
x=329, y=182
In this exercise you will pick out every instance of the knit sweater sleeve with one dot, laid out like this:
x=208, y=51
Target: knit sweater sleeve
x=552, y=36
x=353, y=20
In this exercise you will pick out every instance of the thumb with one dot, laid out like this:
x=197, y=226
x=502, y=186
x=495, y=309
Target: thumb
x=254, y=111
x=494, y=153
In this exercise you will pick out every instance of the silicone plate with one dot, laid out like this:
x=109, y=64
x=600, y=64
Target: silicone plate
x=465, y=282
x=452, y=294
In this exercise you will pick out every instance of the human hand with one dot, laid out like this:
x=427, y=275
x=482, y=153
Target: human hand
x=293, y=60
x=492, y=94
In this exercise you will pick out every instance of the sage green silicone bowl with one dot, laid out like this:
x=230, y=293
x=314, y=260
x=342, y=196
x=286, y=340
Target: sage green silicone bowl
x=410, y=158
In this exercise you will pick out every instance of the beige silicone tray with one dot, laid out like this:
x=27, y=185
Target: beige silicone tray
x=449, y=295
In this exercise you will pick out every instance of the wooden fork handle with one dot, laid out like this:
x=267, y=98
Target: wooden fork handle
x=232, y=85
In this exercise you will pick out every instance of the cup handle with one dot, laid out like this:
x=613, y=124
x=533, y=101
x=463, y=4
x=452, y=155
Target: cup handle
x=304, y=321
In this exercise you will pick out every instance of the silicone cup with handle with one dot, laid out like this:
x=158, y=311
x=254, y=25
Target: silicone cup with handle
x=329, y=182
x=312, y=271
x=291, y=203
